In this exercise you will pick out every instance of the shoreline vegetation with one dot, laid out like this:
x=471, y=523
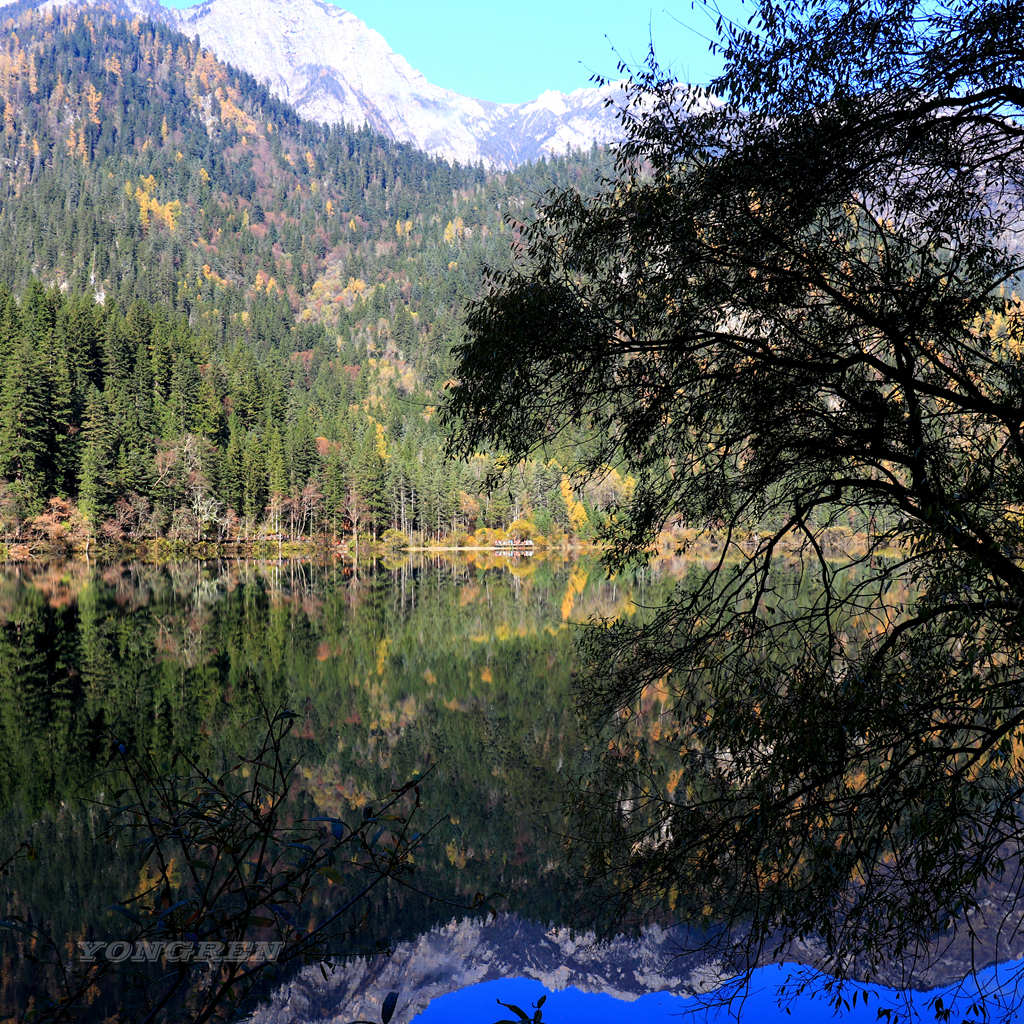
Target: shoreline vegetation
x=62, y=534
x=63, y=531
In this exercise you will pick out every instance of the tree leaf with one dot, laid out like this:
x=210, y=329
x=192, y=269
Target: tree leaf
x=516, y=1010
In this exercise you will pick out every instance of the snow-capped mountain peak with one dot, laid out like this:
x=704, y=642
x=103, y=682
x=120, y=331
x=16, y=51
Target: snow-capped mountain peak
x=332, y=67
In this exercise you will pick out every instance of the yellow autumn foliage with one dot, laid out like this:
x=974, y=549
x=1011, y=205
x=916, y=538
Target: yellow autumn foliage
x=575, y=587
x=150, y=208
x=577, y=513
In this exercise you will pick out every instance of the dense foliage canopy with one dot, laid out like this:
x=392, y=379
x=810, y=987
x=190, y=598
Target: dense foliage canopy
x=792, y=313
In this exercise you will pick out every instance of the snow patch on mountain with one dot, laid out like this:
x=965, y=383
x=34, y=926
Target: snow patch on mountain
x=334, y=68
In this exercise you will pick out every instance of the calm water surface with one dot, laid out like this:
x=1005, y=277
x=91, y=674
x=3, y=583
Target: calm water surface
x=463, y=665
x=459, y=665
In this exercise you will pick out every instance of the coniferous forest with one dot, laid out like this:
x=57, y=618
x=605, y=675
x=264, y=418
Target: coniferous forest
x=222, y=325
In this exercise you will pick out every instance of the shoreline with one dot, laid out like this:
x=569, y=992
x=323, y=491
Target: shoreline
x=159, y=550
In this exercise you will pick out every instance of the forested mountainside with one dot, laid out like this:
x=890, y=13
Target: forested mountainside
x=219, y=321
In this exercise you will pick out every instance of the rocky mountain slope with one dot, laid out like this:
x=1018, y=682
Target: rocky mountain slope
x=333, y=68
x=472, y=951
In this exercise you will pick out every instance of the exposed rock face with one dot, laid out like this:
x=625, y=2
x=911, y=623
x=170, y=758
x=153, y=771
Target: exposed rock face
x=334, y=68
x=469, y=952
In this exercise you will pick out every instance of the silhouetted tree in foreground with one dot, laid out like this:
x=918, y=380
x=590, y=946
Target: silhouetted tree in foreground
x=792, y=314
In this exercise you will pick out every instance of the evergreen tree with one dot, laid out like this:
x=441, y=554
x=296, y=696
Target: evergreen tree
x=369, y=476
x=25, y=425
x=94, y=484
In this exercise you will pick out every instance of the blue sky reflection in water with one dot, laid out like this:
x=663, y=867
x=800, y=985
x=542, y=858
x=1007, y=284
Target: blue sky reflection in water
x=997, y=989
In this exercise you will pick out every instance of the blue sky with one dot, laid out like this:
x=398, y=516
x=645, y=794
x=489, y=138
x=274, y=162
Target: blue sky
x=512, y=51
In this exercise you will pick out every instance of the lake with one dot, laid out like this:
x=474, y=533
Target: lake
x=456, y=668
x=459, y=664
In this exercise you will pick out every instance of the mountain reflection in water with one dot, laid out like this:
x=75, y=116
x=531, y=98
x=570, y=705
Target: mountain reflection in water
x=456, y=972
x=460, y=663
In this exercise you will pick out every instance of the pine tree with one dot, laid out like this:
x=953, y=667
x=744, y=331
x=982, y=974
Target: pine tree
x=62, y=440
x=277, y=473
x=254, y=477
x=25, y=426
x=231, y=476
x=94, y=486
x=369, y=474
x=302, y=455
